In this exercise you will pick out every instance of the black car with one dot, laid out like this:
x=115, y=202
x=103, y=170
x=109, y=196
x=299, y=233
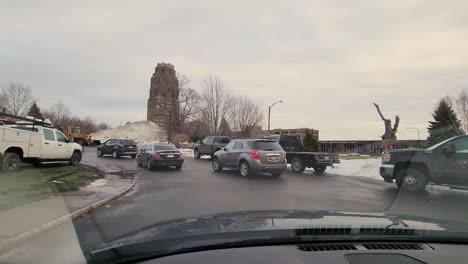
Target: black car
x=118, y=148
x=445, y=164
x=209, y=145
x=160, y=155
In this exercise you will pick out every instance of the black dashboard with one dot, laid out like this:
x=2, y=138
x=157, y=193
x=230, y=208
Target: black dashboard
x=346, y=253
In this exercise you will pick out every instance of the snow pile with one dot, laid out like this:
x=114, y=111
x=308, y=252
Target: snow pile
x=144, y=132
x=368, y=168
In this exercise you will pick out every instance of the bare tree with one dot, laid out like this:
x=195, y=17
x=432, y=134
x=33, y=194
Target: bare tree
x=16, y=98
x=189, y=100
x=215, y=100
x=244, y=115
x=461, y=106
x=58, y=114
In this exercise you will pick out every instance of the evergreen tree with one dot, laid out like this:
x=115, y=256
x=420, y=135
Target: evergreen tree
x=35, y=111
x=311, y=144
x=445, y=125
x=224, y=128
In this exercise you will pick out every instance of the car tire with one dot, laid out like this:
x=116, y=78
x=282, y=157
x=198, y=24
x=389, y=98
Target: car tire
x=11, y=162
x=115, y=155
x=297, y=166
x=132, y=156
x=216, y=165
x=99, y=153
x=411, y=180
x=276, y=174
x=245, y=170
x=75, y=159
x=196, y=154
x=319, y=169
x=148, y=165
x=178, y=167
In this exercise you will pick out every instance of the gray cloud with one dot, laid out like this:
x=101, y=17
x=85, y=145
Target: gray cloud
x=327, y=60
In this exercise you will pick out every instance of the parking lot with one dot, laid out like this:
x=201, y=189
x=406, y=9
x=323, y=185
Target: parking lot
x=196, y=190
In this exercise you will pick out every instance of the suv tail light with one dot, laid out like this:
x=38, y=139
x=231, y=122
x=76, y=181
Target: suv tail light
x=284, y=155
x=255, y=154
x=182, y=155
x=156, y=155
x=386, y=157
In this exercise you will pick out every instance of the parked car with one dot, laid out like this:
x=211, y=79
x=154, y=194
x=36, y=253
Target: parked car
x=160, y=155
x=117, y=148
x=35, y=143
x=301, y=160
x=251, y=156
x=209, y=145
x=445, y=163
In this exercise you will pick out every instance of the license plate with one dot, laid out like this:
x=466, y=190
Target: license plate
x=326, y=158
x=170, y=155
x=274, y=158
x=130, y=147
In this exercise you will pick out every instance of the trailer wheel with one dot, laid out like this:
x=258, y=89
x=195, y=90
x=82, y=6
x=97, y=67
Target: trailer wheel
x=297, y=165
x=319, y=169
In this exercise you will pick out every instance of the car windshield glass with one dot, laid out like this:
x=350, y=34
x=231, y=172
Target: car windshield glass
x=127, y=142
x=164, y=147
x=199, y=124
x=440, y=144
x=264, y=145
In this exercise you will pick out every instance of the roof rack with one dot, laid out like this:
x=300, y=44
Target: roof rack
x=16, y=119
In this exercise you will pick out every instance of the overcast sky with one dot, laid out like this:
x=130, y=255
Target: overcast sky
x=328, y=60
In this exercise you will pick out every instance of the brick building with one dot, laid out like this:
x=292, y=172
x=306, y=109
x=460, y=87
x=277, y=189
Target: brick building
x=370, y=147
x=292, y=132
x=163, y=101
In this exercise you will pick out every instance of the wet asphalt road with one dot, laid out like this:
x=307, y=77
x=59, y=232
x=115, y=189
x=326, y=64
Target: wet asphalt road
x=196, y=190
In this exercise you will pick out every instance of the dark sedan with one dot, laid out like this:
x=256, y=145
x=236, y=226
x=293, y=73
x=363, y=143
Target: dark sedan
x=117, y=148
x=160, y=155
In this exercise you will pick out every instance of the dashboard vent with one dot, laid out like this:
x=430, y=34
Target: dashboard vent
x=323, y=230
x=395, y=246
x=369, y=230
x=330, y=247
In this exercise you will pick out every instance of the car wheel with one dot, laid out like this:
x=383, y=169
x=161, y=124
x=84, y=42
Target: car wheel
x=75, y=158
x=178, y=167
x=216, y=165
x=99, y=153
x=148, y=165
x=244, y=169
x=115, y=155
x=11, y=162
x=276, y=174
x=297, y=165
x=412, y=180
x=196, y=154
x=319, y=169
x=132, y=156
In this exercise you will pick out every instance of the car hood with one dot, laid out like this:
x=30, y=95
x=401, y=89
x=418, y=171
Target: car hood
x=175, y=235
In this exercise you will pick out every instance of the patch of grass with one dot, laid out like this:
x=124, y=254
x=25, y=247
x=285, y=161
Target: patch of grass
x=346, y=157
x=32, y=183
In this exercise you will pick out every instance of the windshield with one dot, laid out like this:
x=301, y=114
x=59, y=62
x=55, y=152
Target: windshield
x=264, y=145
x=440, y=144
x=197, y=122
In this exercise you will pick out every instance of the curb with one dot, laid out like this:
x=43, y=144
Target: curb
x=70, y=216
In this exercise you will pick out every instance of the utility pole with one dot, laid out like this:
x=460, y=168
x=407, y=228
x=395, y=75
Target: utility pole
x=269, y=113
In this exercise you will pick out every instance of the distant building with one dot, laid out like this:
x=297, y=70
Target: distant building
x=163, y=101
x=369, y=147
x=301, y=132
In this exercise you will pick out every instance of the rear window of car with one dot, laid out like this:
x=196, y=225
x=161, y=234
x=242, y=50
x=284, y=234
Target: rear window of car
x=265, y=145
x=164, y=147
x=128, y=142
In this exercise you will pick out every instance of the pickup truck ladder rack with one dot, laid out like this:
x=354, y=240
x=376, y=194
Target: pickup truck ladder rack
x=33, y=121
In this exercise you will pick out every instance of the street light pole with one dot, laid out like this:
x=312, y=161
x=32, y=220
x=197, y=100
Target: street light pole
x=269, y=113
x=417, y=129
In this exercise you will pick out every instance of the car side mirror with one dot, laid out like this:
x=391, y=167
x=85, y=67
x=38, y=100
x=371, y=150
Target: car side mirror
x=70, y=140
x=450, y=149
x=225, y=149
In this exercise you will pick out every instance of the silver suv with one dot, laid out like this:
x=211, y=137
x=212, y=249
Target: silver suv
x=251, y=156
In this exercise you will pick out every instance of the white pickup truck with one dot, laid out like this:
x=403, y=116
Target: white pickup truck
x=35, y=144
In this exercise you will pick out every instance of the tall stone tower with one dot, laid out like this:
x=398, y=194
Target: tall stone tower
x=163, y=101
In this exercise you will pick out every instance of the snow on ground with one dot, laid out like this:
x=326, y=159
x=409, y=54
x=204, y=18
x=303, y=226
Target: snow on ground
x=368, y=168
x=144, y=132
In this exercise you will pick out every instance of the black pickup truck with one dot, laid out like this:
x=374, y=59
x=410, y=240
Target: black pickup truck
x=209, y=145
x=299, y=159
x=445, y=163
